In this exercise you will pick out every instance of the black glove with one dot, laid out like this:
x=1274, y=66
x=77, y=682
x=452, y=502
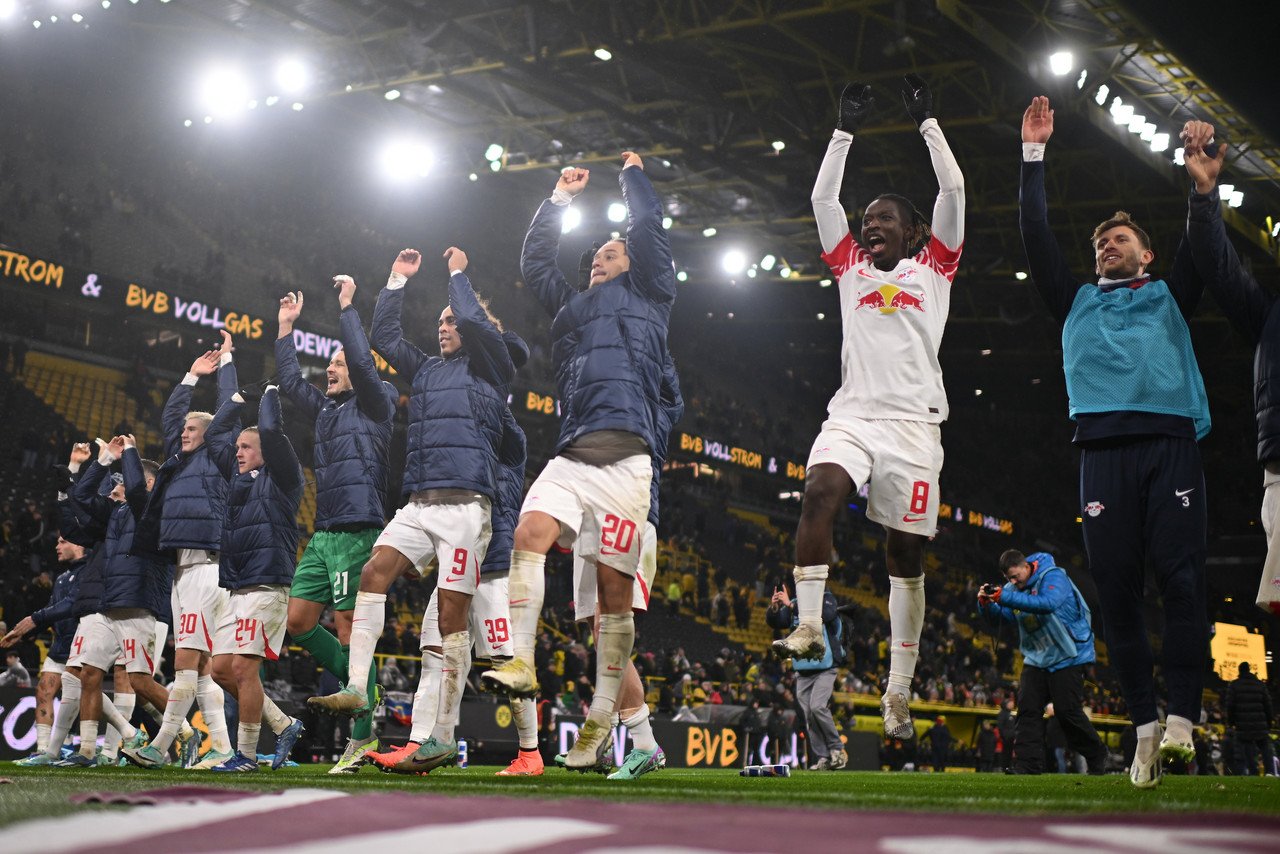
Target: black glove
x=584, y=267
x=253, y=392
x=917, y=98
x=856, y=104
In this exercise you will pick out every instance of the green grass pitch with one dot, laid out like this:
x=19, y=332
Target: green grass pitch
x=41, y=792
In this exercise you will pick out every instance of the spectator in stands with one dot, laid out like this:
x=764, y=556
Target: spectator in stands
x=987, y=741
x=16, y=675
x=19, y=357
x=1249, y=715
x=673, y=596
x=30, y=445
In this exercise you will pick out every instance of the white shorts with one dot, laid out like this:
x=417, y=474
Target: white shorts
x=900, y=459
x=51, y=666
x=490, y=620
x=253, y=623
x=95, y=644
x=198, y=604
x=584, y=578
x=135, y=633
x=455, y=530
x=601, y=509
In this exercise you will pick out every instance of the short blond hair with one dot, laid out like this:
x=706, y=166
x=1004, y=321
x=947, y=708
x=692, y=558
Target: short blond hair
x=200, y=415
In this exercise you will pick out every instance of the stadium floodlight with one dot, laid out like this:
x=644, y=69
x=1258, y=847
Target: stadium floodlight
x=1225, y=190
x=572, y=218
x=495, y=165
x=821, y=316
x=767, y=262
x=208, y=120
x=1237, y=199
x=253, y=104
x=76, y=17
x=1121, y=112
x=825, y=283
x=1275, y=230
x=667, y=222
x=617, y=212
x=1061, y=63
x=292, y=75
x=106, y=4
x=8, y=8
x=1137, y=123
x=751, y=274
x=682, y=276
x=36, y=24
x=297, y=106
x=1020, y=275
x=603, y=54
x=494, y=152
x=785, y=272
x=733, y=262
x=272, y=100
x=224, y=91
x=1179, y=156
x=407, y=158
x=1084, y=75
x=709, y=231
x=1160, y=142
x=391, y=94
x=186, y=123
x=1147, y=133
x=473, y=177
x=778, y=145
x=1101, y=97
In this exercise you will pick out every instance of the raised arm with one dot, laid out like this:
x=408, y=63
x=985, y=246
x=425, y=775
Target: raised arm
x=856, y=103
x=948, y=209
x=135, y=481
x=387, y=335
x=221, y=434
x=482, y=340
x=277, y=450
x=538, y=256
x=89, y=505
x=178, y=405
x=376, y=398
x=653, y=271
x=228, y=376
x=1049, y=270
x=304, y=395
x=1054, y=591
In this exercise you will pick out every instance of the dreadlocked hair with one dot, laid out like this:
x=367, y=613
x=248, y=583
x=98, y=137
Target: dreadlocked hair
x=918, y=222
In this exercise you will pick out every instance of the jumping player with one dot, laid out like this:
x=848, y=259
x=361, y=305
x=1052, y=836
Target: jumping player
x=883, y=424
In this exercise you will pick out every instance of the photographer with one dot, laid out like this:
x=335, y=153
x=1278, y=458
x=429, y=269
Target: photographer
x=815, y=678
x=1056, y=638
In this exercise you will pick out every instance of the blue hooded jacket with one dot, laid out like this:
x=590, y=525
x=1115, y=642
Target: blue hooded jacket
x=609, y=342
x=512, y=453
x=455, y=411
x=260, y=534
x=353, y=431
x=670, y=411
x=60, y=612
x=1054, y=623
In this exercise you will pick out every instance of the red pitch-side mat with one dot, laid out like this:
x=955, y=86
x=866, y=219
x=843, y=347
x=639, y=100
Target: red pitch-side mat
x=313, y=821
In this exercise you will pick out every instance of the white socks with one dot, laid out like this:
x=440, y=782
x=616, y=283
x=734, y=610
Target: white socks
x=613, y=650
x=811, y=582
x=1148, y=741
x=42, y=737
x=457, y=664
x=526, y=588
x=525, y=713
x=273, y=717
x=641, y=733
x=88, y=738
x=1178, y=728
x=68, y=708
x=247, y=740
x=426, y=702
x=115, y=719
x=906, y=620
x=181, y=697
x=366, y=627
x=210, y=699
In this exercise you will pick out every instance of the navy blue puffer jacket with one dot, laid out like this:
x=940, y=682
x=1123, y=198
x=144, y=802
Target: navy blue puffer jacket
x=505, y=513
x=60, y=612
x=670, y=411
x=186, y=507
x=141, y=580
x=260, y=532
x=608, y=342
x=455, y=411
x=353, y=430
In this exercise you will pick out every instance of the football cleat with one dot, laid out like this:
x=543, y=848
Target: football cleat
x=640, y=762
x=1146, y=775
x=430, y=755
x=106, y=760
x=76, y=760
x=139, y=739
x=345, y=702
x=591, y=752
x=285, y=742
x=386, y=761
x=188, y=747
x=897, y=716
x=839, y=760
x=805, y=642
x=354, y=756
x=237, y=762
x=1177, y=746
x=146, y=756
x=823, y=764
x=36, y=760
x=528, y=763
x=212, y=760
x=515, y=678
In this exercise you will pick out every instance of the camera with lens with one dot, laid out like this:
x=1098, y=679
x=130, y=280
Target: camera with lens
x=988, y=589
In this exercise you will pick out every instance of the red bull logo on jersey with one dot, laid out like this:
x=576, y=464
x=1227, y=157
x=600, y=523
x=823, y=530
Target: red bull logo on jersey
x=890, y=298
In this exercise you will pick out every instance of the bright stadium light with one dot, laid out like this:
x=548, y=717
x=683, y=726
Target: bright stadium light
x=709, y=231
x=667, y=222
x=825, y=283
x=495, y=165
x=36, y=24
x=603, y=54
x=778, y=145
x=272, y=100
x=617, y=212
x=1101, y=97
x=106, y=4
x=767, y=262
x=785, y=272
x=76, y=17
x=1121, y=112
x=1179, y=156
x=1084, y=75
x=391, y=94
x=1225, y=190
x=751, y=274
x=473, y=177
x=8, y=8
x=292, y=75
x=1160, y=142
x=224, y=91
x=682, y=276
x=407, y=158
x=494, y=152
x=733, y=262
x=1275, y=230
x=572, y=219
x=1137, y=123
x=1020, y=275
x=1061, y=63
x=297, y=106
x=1237, y=199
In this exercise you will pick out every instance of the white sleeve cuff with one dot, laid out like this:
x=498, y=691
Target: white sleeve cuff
x=1032, y=152
x=224, y=360
x=560, y=197
x=73, y=467
x=237, y=397
x=841, y=134
x=190, y=379
x=928, y=124
x=396, y=281
x=105, y=457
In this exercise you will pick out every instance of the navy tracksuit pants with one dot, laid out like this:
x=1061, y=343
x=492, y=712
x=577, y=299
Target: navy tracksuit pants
x=1143, y=501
